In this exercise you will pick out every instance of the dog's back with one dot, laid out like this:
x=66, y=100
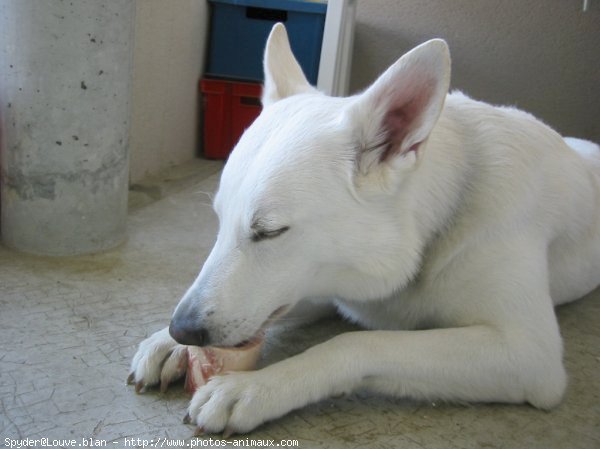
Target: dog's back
x=586, y=149
x=522, y=173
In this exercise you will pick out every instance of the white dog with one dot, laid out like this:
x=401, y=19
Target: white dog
x=447, y=226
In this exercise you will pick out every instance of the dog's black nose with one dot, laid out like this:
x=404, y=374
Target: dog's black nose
x=188, y=335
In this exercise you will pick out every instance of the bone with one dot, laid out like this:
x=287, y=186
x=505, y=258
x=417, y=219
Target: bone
x=206, y=362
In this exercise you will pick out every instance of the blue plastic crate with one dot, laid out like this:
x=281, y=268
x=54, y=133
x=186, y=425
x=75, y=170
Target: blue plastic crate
x=239, y=31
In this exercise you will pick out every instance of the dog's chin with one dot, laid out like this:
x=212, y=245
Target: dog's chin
x=259, y=336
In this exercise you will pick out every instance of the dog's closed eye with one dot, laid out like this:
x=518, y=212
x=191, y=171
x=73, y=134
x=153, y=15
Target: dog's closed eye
x=260, y=234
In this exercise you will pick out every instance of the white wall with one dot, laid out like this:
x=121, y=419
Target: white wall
x=170, y=41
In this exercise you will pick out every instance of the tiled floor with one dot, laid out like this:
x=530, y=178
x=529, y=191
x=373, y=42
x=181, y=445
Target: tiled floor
x=68, y=329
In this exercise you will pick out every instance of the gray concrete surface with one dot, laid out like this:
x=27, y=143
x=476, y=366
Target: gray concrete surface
x=65, y=88
x=69, y=327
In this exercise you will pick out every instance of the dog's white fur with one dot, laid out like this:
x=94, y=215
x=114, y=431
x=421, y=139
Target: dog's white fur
x=448, y=226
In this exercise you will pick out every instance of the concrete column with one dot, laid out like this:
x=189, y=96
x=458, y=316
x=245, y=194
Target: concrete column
x=65, y=90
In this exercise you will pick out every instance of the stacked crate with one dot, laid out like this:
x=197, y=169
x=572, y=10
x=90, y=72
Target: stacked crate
x=232, y=87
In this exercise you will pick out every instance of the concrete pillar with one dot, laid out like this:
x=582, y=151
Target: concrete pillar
x=65, y=89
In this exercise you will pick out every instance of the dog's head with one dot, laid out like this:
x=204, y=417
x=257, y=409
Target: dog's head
x=310, y=201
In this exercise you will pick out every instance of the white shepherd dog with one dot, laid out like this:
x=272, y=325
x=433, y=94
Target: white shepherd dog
x=447, y=227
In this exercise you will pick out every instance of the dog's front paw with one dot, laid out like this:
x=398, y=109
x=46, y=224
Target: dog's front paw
x=159, y=359
x=236, y=403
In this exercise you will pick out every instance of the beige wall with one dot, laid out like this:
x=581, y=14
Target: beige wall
x=540, y=55
x=170, y=39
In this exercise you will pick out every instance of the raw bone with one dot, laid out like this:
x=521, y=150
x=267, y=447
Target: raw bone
x=205, y=362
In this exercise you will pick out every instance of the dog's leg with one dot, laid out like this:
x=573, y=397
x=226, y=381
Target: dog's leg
x=474, y=363
x=158, y=359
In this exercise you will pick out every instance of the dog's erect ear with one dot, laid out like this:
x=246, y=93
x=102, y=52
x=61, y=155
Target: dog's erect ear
x=283, y=75
x=397, y=113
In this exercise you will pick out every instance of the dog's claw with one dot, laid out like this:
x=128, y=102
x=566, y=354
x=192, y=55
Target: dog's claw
x=138, y=386
x=187, y=419
x=199, y=431
x=130, y=378
x=228, y=432
x=164, y=385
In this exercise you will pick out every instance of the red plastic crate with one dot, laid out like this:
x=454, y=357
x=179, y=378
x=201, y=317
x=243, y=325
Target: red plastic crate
x=229, y=108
